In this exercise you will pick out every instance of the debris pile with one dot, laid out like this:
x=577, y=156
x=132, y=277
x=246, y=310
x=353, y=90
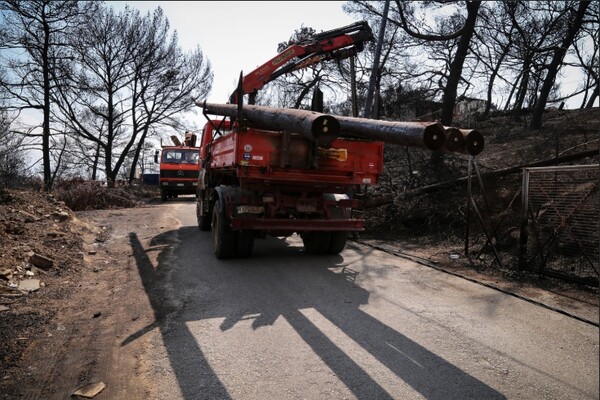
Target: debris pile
x=37, y=240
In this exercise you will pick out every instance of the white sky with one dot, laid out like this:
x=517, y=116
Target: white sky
x=239, y=36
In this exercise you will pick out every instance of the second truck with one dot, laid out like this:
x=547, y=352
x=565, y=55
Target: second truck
x=179, y=166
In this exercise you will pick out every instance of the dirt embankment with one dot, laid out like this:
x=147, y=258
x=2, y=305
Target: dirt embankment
x=59, y=270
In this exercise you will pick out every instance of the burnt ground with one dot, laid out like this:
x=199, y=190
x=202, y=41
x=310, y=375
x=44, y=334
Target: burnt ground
x=58, y=273
x=56, y=264
x=419, y=209
x=33, y=225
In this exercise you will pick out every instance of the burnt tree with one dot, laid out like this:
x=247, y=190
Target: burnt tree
x=573, y=26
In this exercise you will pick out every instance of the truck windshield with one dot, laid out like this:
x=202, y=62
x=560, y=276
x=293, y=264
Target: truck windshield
x=180, y=156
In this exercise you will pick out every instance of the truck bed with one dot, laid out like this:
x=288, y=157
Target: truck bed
x=283, y=158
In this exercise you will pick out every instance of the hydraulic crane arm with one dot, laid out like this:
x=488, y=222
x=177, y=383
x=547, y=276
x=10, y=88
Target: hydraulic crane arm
x=336, y=44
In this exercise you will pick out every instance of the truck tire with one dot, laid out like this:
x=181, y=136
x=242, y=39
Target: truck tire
x=204, y=220
x=163, y=194
x=223, y=236
x=316, y=242
x=337, y=242
x=245, y=244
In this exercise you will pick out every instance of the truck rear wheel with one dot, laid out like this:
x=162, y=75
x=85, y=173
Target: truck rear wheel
x=316, y=242
x=163, y=194
x=337, y=242
x=223, y=236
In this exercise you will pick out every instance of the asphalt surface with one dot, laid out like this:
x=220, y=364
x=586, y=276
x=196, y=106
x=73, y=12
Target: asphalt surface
x=360, y=325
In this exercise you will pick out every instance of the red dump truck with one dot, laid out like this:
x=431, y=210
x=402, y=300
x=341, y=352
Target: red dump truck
x=179, y=166
x=275, y=171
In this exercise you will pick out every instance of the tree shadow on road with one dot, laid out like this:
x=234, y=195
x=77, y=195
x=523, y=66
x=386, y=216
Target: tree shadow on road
x=247, y=289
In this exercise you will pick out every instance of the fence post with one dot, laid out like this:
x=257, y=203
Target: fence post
x=468, y=214
x=524, y=221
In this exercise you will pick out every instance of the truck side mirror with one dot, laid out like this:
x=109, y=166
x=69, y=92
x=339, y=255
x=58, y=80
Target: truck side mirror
x=156, y=157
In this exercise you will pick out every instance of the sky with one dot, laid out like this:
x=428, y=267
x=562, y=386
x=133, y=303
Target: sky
x=238, y=36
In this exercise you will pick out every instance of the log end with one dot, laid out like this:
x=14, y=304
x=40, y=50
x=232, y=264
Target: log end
x=474, y=142
x=455, y=141
x=325, y=128
x=434, y=136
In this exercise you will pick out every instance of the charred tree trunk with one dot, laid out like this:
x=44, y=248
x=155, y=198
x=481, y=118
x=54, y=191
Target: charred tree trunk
x=456, y=66
x=521, y=92
x=512, y=92
x=136, y=154
x=488, y=103
x=96, y=162
x=592, y=99
x=46, y=124
x=306, y=90
x=574, y=25
x=375, y=70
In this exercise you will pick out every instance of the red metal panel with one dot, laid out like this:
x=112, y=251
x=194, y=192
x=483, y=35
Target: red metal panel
x=263, y=155
x=223, y=152
x=316, y=178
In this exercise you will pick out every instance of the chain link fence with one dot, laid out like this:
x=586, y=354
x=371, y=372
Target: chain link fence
x=560, y=232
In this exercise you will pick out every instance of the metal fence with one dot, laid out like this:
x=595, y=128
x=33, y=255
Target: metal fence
x=560, y=232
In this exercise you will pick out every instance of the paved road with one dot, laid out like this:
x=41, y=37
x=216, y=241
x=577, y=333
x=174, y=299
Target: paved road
x=360, y=325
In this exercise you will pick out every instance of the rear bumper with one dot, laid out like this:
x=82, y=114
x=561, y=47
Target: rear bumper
x=298, y=225
x=188, y=187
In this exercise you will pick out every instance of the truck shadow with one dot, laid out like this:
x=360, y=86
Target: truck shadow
x=300, y=284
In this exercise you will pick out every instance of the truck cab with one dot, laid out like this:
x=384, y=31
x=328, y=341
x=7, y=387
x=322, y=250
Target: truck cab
x=179, y=166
